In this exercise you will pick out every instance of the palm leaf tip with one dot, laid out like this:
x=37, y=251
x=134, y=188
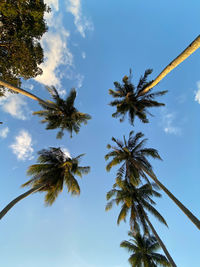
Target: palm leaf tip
x=108, y=206
x=125, y=79
x=108, y=146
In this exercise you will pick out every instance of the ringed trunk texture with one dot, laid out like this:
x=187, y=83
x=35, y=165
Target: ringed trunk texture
x=178, y=203
x=160, y=242
x=14, y=201
x=186, y=53
x=23, y=92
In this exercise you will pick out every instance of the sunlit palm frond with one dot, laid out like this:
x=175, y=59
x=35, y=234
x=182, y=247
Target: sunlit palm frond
x=54, y=169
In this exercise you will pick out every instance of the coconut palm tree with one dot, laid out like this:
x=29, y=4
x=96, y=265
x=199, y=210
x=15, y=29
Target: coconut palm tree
x=143, y=251
x=136, y=101
x=133, y=156
x=128, y=99
x=59, y=113
x=136, y=201
x=62, y=113
x=53, y=170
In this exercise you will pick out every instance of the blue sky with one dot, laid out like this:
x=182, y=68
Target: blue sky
x=89, y=45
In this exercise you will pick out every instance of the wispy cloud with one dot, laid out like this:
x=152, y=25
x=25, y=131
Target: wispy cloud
x=197, y=93
x=168, y=122
x=66, y=152
x=58, y=59
x=4, y=132
x=79, y=79
x=81, y=22
x=76, y=77
x=56, y=54
x=23, y=147
x=15, y=105
x=55, y=45
x=83, y=55
x=53, y=4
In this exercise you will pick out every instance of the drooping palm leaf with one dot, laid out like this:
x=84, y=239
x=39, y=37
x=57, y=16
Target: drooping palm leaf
x=54, y=169
x=133, y=156
x=128, y=99
x=62, y=114
x=134, y=201
x=143, y=251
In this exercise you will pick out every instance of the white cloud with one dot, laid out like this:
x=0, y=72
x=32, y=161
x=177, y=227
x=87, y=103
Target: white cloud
x=66, y=152
x=79, y=78
x=76, y=77
x=58, y=59
x=53, y=4
x=15, y=105
x=56, y=51
x=168, y=124
x=28, y=86
x=82, y=23
x=197, y=93
x=4, y=132
x=56, y=54
x=83, y=55
x=22, y=147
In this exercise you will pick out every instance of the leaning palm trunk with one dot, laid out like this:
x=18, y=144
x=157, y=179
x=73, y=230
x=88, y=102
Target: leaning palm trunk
x=178, y=203
x=14, y=201
x=160, y=241
x=23, y=92
x=186, y=53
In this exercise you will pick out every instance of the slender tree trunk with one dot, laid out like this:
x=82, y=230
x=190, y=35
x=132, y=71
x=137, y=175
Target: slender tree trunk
x=160, y=241
x=23, y=92
x=178, y=203
x=186, y=53
x=14, y=201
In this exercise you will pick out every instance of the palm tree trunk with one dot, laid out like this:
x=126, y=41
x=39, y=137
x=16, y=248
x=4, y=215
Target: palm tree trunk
x=186, y=53
x=20, y=197
x=159, y=241
x=178, y=203
x=23, y=92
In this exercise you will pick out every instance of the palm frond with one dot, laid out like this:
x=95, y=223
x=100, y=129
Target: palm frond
x=154, y=212
x=61, y=114
x=122, y=215
x=128, y=245
x=143, y=79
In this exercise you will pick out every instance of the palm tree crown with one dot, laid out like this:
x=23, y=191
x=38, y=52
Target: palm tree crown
x=135, y=165
x=134, y=200
x=143, y=251
x=133, y=156
x=54, y=169
x=129, y=100
x=62, y=113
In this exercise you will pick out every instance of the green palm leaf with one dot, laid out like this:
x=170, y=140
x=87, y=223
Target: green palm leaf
x=54, y=169
x=128, y=100
x=61, y=114
x=143, y=251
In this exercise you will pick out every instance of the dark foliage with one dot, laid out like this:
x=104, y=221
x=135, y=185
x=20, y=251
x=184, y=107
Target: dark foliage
x=62, y=113
x=129, y=99
x=22, y=25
